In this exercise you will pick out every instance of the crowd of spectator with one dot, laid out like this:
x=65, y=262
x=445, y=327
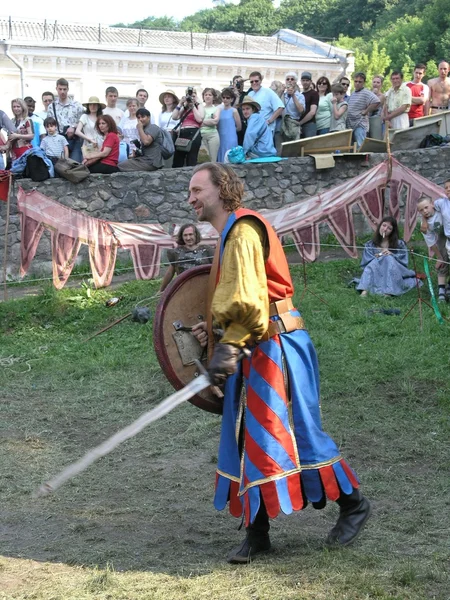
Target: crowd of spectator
x=258, y=119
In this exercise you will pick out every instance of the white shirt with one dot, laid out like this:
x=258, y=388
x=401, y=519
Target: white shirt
x=434, y=224
x=443, y=206
x=165, y=120
x=115, y=113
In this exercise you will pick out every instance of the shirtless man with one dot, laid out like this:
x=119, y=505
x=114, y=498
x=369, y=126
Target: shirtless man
x=440, y=89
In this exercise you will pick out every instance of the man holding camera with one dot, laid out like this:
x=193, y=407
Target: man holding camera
x=148, y=146
x=294, y=107
x=237, y=84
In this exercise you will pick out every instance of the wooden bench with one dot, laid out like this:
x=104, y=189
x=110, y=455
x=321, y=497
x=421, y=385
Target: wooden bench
x=411, y=138
x=443, y=116
x=329, y=143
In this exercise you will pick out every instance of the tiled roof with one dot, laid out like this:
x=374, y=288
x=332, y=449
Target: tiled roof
x=101, y=36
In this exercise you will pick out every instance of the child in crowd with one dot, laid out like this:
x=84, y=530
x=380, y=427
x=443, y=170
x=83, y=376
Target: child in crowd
x=433, y=233
x=124, y=148
x=54, y=145
x=339, y=108
x=441, y=206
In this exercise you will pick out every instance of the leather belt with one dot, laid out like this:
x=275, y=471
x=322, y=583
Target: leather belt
x=280, y=306
x=286, y=322
x=440, y=107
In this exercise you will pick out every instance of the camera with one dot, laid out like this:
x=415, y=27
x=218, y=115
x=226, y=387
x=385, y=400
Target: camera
x=190, y=94
x=239, y=85
x=138, y=148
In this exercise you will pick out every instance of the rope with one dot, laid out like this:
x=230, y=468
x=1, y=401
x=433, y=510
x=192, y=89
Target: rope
x=166, y=264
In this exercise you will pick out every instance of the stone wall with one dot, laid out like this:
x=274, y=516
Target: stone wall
x=161, y=196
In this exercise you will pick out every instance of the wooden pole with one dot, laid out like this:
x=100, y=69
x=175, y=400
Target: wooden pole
x=5, y=256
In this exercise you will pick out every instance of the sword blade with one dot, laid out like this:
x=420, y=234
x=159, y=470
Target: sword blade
x=194, y=387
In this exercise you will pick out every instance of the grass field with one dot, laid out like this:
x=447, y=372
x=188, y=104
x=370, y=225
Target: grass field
x=140, y=523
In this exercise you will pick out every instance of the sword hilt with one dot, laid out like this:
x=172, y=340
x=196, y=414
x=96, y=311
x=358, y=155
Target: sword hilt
x=244, y=353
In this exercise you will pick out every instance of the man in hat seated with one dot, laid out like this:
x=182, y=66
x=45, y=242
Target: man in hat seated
x=258, y=139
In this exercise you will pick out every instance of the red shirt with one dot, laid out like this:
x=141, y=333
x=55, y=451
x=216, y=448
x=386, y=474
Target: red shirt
x=418, y=90
x=111, y=141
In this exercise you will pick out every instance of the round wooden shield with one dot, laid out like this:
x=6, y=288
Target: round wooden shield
x=182, y=306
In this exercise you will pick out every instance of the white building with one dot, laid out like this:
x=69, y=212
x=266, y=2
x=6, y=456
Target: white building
x=93, y=57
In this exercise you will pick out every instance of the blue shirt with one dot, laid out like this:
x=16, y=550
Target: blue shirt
x=38, y=128
x=258, y=138
x=289, y=105
x=269, y=103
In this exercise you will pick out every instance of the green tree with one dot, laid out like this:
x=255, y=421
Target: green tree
x=369, y=58
x=163, y=23
x=257, y=17
x=306, y=16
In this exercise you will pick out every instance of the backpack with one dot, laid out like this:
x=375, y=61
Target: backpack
x=167, y=145
x=36, y=169
x=432, y=139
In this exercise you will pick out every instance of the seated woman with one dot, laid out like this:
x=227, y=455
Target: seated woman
x=385, y=263
x=258, y=139
x=107, y=159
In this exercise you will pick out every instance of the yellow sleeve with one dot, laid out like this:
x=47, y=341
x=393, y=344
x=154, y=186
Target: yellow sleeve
x=241, y=302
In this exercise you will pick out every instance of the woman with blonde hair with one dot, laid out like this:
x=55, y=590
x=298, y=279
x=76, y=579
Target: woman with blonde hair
x=20, y=141
x=210, y=135
x=128, y=125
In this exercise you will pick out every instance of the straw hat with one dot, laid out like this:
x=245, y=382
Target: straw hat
x=249, y=100
x=161, y=96
x=94, y=100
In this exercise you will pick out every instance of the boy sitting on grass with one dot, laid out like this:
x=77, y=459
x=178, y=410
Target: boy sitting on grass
x=435, y=238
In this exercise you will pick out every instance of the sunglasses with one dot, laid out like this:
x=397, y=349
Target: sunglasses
x=290, y=78
x=321, y=83
x=345, y=84
x=254, y=81
x=226, y=97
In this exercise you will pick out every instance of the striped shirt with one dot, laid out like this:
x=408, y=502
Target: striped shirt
x=358, y=102
x=53, y=145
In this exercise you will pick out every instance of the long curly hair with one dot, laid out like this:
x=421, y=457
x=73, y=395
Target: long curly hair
x=393, y=238
x=182, y=229
x=231, y=188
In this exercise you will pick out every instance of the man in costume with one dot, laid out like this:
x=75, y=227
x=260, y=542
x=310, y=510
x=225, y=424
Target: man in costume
x=273, y=454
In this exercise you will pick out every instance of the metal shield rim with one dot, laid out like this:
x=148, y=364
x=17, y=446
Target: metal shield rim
x=212, y=406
